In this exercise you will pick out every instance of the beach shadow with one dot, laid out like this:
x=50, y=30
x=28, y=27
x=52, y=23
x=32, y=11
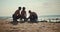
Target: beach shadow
x=32, y=21
x=55, y=22
x=22, y=21
x=14, y=23
x=43, y=21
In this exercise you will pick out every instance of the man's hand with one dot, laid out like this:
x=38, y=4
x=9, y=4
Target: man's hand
x=17, y=14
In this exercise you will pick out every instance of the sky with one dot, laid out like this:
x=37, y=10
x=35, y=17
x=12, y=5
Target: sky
x=41, y=7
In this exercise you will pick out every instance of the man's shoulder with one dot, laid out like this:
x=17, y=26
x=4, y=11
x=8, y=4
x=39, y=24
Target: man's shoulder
x=33, y=12
x=23, y=11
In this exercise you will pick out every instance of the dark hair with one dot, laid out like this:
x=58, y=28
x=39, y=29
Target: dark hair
x=23, y=8
x=29, y=11
x=19, y=8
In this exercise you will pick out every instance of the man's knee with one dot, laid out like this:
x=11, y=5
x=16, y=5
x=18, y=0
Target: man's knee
x=14, y=17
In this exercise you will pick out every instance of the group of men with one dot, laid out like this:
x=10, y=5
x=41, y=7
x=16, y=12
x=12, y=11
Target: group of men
x=21, y=14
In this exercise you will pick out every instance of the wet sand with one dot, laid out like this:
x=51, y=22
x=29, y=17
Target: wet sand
x=6, y=26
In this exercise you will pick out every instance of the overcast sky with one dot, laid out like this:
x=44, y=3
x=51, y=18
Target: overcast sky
x=41, y=7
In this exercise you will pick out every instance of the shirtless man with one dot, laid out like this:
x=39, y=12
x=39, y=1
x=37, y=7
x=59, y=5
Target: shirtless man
x=16, y=15
x=33, y=16
x=23, y=14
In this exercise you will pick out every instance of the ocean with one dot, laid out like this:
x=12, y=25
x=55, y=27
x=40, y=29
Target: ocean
x=49, y=18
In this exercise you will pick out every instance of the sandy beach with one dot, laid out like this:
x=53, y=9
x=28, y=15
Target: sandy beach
x=6, y=26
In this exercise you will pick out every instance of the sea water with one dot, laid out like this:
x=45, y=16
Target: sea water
x=52, y=18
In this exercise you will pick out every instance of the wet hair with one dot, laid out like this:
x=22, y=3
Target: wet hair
x=29, y=11
x=23, y=8
x=19, y=8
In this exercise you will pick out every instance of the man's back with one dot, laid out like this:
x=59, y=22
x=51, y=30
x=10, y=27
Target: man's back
x=16, y=15
x=17, y=12
x=33, y=16
x=23, y=13
x=33, y=13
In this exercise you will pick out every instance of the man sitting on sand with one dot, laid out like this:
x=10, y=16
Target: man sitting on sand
x=16, y=15
x=33, y=16
x=23, y=14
